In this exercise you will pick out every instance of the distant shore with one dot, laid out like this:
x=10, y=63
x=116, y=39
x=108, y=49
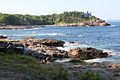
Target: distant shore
x=21, y=27
x=94, y=22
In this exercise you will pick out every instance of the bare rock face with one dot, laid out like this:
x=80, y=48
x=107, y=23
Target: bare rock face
x=87, y=53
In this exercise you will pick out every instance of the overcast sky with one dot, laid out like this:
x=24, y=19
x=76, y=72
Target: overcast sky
x=104, y=9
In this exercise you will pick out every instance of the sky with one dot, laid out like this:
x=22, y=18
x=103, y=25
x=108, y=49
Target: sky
x=104, y=9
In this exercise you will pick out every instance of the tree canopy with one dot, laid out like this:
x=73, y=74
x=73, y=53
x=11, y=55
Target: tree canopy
x=66, y=17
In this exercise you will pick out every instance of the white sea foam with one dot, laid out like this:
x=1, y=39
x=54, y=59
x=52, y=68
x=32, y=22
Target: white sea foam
x=54, y=34
x=69, y=45
x=31, y=29
x=34, y=32
x=113, y=25
x=63, y=60
x=80, y=35
x=37, y=34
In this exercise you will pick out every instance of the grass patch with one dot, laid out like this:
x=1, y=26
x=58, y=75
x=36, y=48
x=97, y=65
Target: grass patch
x=15, y=58
x=31, y=65
x=90, y=76
x=61, y=74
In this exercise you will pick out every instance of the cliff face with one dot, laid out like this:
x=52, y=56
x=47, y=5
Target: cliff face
x=92, y=22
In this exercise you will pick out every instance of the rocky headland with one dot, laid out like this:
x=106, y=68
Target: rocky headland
x=93, y=22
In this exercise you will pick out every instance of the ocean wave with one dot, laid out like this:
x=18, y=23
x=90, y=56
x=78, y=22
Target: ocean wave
x=31, y=29
x=37, y=34
x=69, y=45
x=113, y=25
x=54, y=34
x=63, y=60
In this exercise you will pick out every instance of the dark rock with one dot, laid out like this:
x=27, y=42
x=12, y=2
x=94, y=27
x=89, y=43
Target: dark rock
x=43, y=58
x=46, y=47
x=87, y=53
x=3, y=37
x=29, y=41
x=52, y=42
x=13, y=46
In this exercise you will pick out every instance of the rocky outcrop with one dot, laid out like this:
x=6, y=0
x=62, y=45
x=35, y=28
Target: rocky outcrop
x=46, y=49
x=87, y=53
x=52, y=42
x=93, y=22
x=45, y=46
x=47, y=42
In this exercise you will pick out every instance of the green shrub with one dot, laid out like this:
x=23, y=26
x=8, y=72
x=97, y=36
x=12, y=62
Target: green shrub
x=90, y=76
x=61, y=74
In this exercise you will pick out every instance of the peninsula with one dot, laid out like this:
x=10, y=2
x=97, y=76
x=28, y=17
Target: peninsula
x=66, y=19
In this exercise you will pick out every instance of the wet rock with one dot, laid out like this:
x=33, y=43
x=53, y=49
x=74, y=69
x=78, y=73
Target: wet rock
x=3, y=37
x=13, y=46
x=52, y=42
x=27, y=41
x=87, y=53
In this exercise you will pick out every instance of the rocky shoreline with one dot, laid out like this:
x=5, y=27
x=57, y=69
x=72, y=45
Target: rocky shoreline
x=93, y=22
x=20, y=27
x=46, y=49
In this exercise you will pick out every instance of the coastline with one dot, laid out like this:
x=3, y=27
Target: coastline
x=10, y=27
x=34, y=60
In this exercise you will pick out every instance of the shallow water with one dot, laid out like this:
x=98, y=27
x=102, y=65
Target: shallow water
x=106, y=38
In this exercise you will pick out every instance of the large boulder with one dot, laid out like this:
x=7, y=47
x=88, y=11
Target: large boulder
x=27, y=41
x=52, y=42
x=87, y=53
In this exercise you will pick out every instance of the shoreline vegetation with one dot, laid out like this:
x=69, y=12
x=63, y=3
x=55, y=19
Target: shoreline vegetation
x=66, y=19
x=33, y=59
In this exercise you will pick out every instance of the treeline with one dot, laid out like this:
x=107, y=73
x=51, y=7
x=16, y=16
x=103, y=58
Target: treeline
x=66, y=17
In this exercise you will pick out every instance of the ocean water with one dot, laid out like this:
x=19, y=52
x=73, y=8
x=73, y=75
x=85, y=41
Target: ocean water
x=105, y=38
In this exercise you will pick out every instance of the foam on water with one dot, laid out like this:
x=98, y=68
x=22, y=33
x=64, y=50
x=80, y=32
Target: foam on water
x=31, y=29
x=69, y=45
x=37, y=34
x=63, y=60
x=54, y=34
x=113, y=25
x=80, y=35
